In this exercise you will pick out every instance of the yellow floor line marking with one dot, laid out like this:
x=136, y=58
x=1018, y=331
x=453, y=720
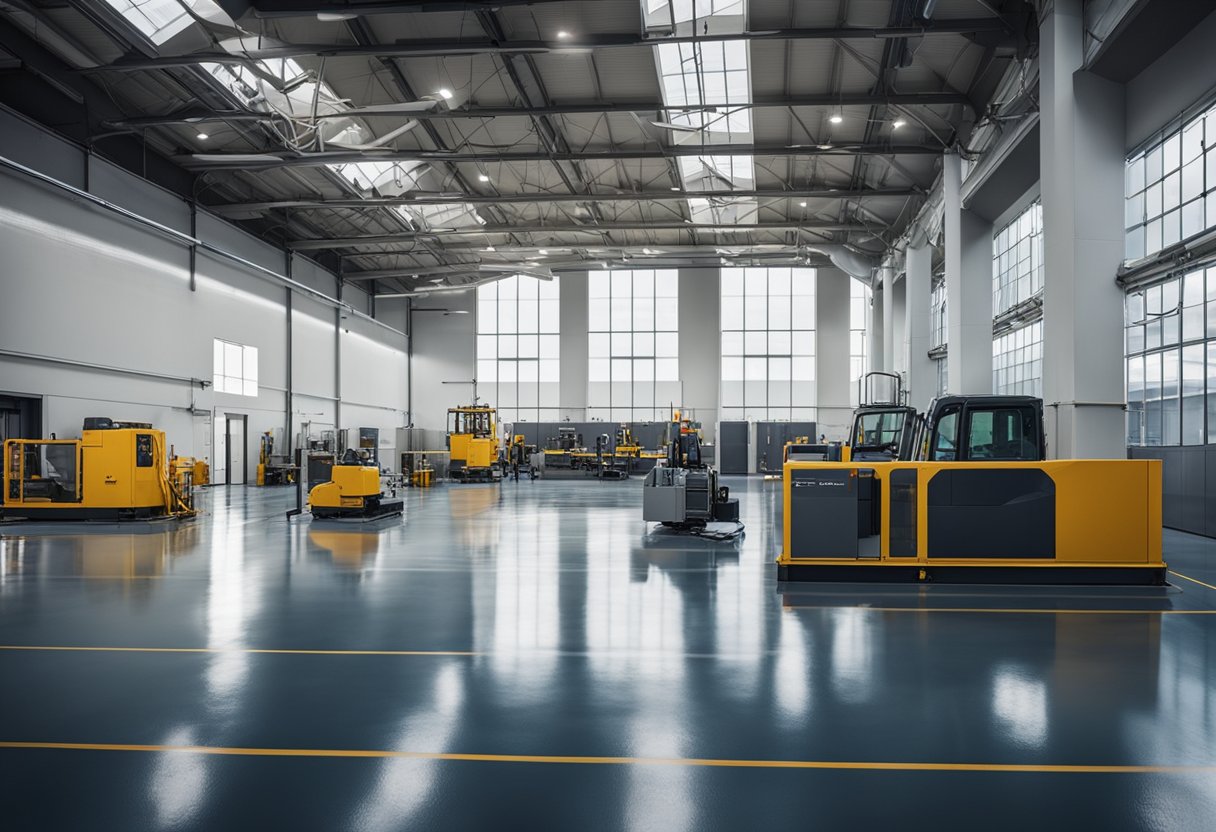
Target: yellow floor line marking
x=1043, y=610
x=1192, y=580
x=640, y=761
x=70, y=649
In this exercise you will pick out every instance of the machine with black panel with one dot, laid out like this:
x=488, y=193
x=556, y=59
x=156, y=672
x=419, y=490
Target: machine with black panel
x=684, y=492
x=977, y=503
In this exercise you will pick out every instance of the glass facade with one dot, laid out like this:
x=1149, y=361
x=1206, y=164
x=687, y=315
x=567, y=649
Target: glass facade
x=768, y=343
x=518, y=364
x=1170, y=188
x=939, y=327
x=1171, y=361
x=1017, y=277
x=859, y=313
x=1017, y=260
x=633, y=346
x=1017, y=361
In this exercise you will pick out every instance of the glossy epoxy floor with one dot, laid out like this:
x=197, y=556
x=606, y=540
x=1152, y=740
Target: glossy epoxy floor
x=532, y=656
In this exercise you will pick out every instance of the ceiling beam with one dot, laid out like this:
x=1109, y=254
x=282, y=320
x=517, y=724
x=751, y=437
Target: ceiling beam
x=303, y=8
x=306, y=203
x=604, y=228
x=196, y=115
x=452, y=47
x=247, y=161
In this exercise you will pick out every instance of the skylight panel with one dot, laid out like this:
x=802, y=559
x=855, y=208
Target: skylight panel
x=158, y=20
x=714, y=74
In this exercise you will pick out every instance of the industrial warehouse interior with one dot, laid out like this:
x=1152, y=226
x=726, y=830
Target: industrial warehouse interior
x=607, y=414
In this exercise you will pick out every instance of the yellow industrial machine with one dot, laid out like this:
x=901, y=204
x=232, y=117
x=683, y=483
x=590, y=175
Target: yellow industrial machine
x=187, y=471
x=473, y=443
x=115, y=471
x=353, y=492
x=1039, y=522
x=966, y=495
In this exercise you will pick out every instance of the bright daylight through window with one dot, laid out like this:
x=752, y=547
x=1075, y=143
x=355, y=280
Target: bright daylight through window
x=518, y=364
x=633, y=347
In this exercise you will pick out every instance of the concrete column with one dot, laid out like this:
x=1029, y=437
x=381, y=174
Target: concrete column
x=889, y=348
x=874, y=330
x=968, y=244
x=918, y=280
x=701, y=345
x=832, y=377
x=1081, y=147
x=572, y=310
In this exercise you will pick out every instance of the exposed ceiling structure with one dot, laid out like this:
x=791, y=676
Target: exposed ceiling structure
x=419, y=146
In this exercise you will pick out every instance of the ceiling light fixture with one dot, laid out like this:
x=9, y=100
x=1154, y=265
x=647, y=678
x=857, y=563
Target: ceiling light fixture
x=898, y=123
x=801, y=204
x=825, y=147
x=488, y=248
x=445, y=93
x=563, y=34
x=202, y=137
x=543, y=252
x=481, y=177
x=836, y=118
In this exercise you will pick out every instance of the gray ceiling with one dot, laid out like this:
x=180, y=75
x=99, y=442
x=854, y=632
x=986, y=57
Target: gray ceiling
x=545, y=152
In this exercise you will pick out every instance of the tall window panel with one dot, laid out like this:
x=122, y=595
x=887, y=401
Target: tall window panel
x=768, y=344
x=1170, y=341
x=1170, y=188
x=518, y=368
x=1017, y=361
x=939, y=331
x=859, y=312
x=633, y=345
x=939, y=327
x=1017, y=260
x=1017, y=277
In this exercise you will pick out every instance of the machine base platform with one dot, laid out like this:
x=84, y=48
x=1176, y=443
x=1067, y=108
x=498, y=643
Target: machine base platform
x=383, y=509
x=108, y=515
x=850, y=572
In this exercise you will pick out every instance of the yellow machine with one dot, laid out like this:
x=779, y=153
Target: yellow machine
x=473, y=443
x=115, y=471
x=187, y=471
x=353, y=491
x=1041, y=522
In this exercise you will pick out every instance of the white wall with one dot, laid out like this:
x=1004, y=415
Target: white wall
x=444, y=351
x=101, y=311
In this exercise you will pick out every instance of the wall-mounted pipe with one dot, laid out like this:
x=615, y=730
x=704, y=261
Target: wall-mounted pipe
x=190, y=241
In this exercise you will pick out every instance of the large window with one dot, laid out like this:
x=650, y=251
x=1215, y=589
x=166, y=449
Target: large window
x=1017, y=361
x=234, y=368
x=768, y=344
x=518, y=368
x=1171, y=364
x=1017, y=260
x=859, y=312
x=1017, y=278
x=1170, y=188
x=939, y=331
x=633, y=345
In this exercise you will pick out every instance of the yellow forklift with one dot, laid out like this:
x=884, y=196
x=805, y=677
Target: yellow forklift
x=473, y=444
x=353, y=492
x=114, y=471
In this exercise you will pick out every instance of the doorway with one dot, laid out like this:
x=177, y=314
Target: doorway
x=235, y=448
x=20, y=417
